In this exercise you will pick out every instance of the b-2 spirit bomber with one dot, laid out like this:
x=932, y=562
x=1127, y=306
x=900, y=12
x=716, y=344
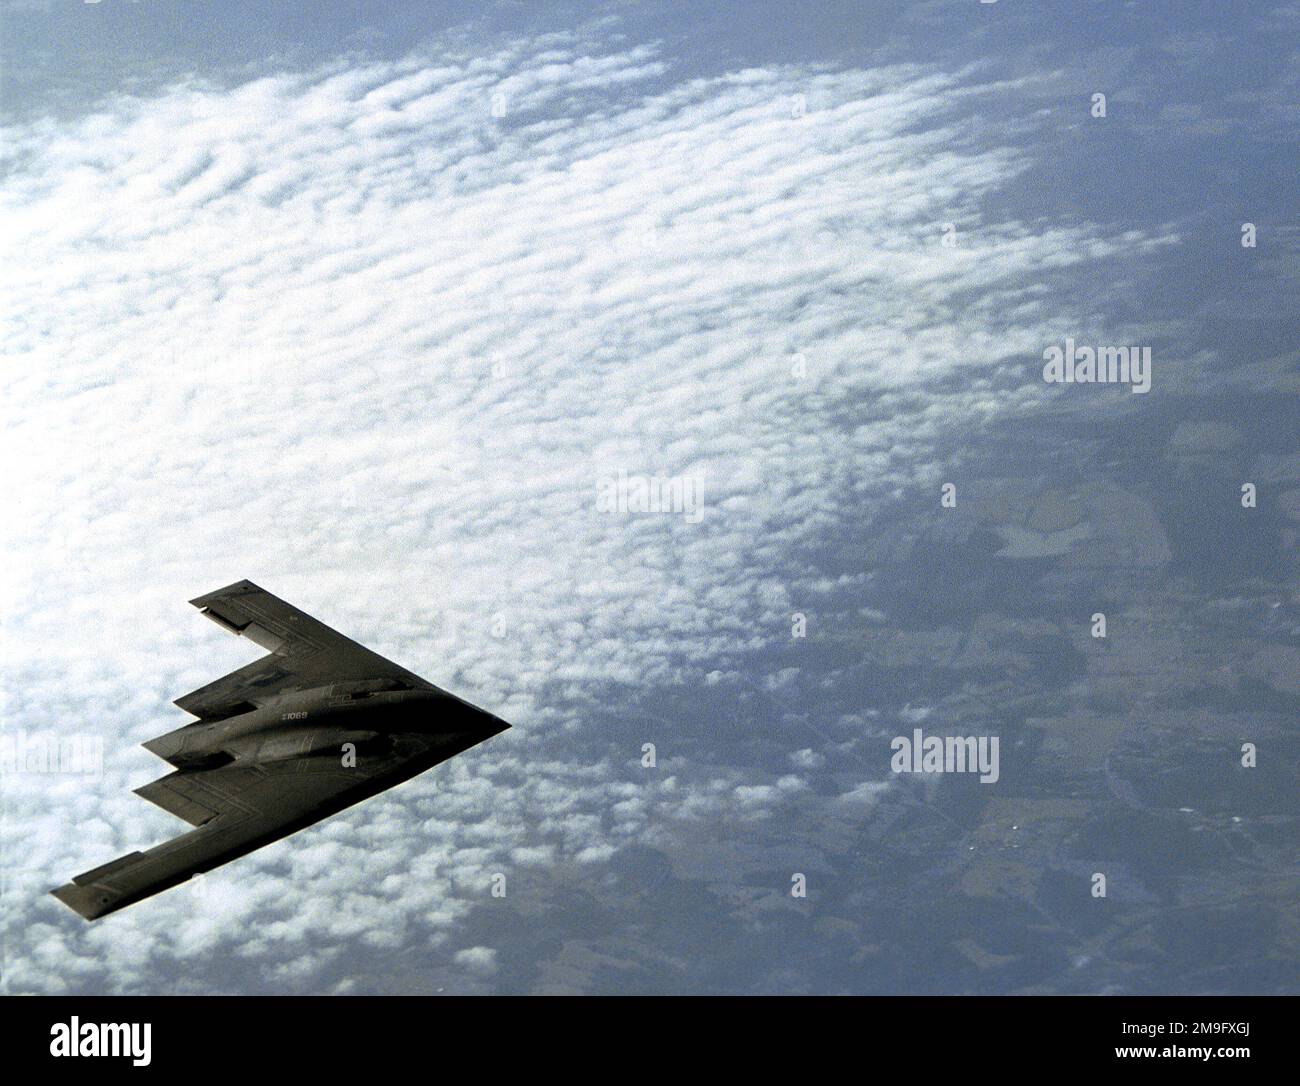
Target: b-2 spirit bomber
x=316, y=725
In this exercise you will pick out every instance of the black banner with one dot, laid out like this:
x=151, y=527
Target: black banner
x=783, y=1035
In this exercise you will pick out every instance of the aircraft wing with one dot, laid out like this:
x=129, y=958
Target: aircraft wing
x=238, y=809
x=303, y=653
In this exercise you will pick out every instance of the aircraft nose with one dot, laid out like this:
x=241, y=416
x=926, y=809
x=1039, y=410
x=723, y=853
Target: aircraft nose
x=493, y=723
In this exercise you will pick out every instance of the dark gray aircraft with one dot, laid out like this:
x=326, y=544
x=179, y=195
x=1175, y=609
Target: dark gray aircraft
x=317, y=725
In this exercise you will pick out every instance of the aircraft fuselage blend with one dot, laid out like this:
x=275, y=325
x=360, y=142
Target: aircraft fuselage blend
x=318, y=724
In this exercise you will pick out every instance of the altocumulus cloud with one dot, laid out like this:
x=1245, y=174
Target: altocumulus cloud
x=375, y=335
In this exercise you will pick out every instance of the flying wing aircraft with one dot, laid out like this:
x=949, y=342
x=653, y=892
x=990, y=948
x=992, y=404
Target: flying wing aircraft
x=316, y=725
